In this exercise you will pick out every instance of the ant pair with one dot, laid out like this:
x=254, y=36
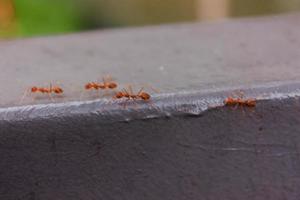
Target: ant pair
x=109, y=84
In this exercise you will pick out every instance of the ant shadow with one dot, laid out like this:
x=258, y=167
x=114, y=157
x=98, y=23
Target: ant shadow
x=32, y=99
x=92, y=95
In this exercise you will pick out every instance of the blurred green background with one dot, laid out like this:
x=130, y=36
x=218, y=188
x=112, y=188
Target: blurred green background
x=23, y=18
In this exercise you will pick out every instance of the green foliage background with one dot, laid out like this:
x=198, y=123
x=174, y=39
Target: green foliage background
x=48, y=17
x=39, y=17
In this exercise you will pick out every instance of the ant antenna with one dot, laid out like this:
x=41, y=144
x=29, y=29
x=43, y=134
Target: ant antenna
x=152, y=88
x=141, y=90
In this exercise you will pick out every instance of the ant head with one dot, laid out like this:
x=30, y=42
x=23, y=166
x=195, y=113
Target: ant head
x=229, y=101
x=119, y=95
x=58, y=90
x=88, y=86
x=145, y=96
x=251, y=103
x=34, y=89
x=112, y=85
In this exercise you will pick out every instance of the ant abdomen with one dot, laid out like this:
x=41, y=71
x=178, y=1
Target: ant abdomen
x=145, y=96
x=88, y=86
x=58, y=90
x=34, y=89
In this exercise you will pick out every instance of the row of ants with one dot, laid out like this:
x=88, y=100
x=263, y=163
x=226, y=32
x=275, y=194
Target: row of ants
x=109, y=84
x=106, y=84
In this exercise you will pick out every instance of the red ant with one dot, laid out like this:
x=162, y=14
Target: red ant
x=130, y=95
x=231, y=101
x=106, y=84
x=56, y=90
x=44, y=90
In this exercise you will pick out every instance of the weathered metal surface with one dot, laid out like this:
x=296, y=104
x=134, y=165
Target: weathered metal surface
x=80, y=147
x=171, y=58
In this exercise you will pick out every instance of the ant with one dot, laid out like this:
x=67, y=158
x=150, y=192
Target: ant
x=240, y=101
x=56, y=90
x=44, y=90
x=130, y=95
x=106, y=84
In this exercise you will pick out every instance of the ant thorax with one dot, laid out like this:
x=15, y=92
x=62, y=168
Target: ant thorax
x=112, y=85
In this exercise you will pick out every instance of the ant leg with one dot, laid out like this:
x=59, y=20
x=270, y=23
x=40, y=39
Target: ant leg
x=152, y=88
x=50, y=87
x=86, y=93
x=111, y=91
x=141, y=90
x=125, y=103
x=33, y=98
x=93, y=93
x=135, y=104
x=152, y=105
x=105, y=92
x=98, y=94
x=243, y=110
x=104, y=80
x=50, y=96
x=81, y=94
x=23, y=96
x=115, y=94
x=252, y=109
x=126, y=92
x=130, y=89
x=107, y=79
x=236, y=106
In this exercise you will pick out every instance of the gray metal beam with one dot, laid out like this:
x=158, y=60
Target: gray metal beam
x=184, y=144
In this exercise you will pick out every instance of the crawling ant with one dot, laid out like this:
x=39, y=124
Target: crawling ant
x=44, y=90
x=129, y=95
x=56, y=90
x=106, y=84
x=240, y=101
x=230, y=101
